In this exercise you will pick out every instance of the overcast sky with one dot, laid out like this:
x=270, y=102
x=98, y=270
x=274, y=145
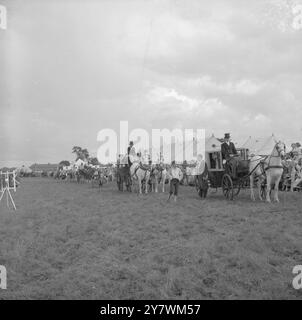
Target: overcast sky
x=71, y=68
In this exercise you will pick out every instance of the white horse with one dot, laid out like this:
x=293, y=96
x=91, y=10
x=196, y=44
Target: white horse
x=139, y=173
x=267, y=168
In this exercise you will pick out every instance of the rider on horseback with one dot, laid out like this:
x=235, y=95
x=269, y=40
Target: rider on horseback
x=131, y=153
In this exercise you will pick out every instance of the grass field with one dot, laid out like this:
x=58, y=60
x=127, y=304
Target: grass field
x=68, y=241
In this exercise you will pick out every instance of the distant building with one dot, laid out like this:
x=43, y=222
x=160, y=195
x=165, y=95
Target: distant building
x=39, y=168
x=5, y=169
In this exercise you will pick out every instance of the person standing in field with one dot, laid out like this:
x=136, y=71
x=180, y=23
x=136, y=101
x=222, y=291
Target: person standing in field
x=175, y=174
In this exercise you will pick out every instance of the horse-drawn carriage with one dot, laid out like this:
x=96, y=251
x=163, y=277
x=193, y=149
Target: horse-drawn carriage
x=241, y=170
x=231, y=177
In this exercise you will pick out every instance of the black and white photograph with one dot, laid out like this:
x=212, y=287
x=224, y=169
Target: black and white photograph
x=150, y=150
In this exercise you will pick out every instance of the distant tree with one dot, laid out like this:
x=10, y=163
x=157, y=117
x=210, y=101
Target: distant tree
x=85, y=154
x=94, y=161
x=64, y=163
x=81, y=153
x=77, y=150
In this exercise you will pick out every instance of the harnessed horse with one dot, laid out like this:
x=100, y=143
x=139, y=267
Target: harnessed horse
x=139, y=173
x=267, y=168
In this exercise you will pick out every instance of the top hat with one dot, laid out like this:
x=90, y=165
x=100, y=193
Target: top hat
x=298, y=145
x=227, y=136
x=131, y=142
x=173, y=162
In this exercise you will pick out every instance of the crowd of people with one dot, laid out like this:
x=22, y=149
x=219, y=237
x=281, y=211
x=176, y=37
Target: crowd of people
x=292, y=165
x=293, y=168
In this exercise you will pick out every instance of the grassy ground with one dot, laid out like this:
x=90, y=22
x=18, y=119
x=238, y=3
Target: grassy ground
x=68, y=241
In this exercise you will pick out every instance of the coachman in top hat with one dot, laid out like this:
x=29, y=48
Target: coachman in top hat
x=228, y=148
x=229, y=153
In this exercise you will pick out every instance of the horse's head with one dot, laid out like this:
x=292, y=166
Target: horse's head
x=281, y=149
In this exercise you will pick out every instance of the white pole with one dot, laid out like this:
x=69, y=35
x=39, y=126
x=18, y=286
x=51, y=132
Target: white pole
x=14, y=175
x=6, y=188
x=1, y=181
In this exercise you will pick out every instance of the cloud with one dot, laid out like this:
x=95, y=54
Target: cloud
x=72, y=68
x=181, y=104
x=243, y=87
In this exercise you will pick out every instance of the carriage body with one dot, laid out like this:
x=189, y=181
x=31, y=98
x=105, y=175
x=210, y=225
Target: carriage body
x=236, y=177
x=223, y=176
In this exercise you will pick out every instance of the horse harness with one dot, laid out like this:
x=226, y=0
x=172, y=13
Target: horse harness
x=140, y=166
x=262, y=163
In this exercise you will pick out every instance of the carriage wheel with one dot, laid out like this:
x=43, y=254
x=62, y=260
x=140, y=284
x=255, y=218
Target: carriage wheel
x=227, y=187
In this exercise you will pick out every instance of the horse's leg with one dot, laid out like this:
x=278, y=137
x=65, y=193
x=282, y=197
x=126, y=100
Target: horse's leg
x=259, y=187
x=276, y=189
x=268, y=188
x=146, y=185
x=276, y=197
x=139, y=185
x=156, y=184
x=252, y=188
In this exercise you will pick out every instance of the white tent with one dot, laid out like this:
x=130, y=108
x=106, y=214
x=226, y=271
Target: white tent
x=212, y=144
x=186, y=151
x=260, y=146
x=25, y=170
x=175, y=151
x=213, y=155
x=267, y=147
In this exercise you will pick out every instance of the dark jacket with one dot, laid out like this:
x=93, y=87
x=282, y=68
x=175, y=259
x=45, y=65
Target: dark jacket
x=227, y=150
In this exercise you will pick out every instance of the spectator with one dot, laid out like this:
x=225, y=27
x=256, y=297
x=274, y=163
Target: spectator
x=176, y=176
